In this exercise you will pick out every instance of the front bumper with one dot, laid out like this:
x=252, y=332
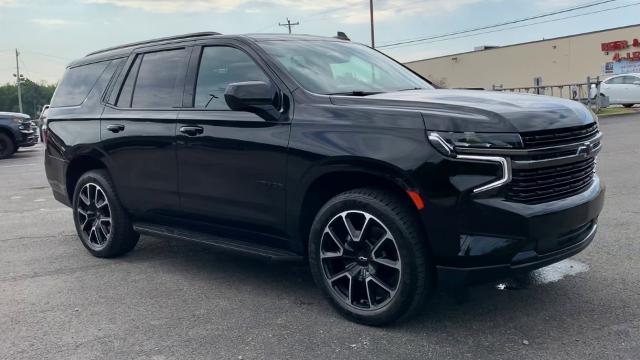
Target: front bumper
x=498, y=238
x=523, y=262
x=28, y=138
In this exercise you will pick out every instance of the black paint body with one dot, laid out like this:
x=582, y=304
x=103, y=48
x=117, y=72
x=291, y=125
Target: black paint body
x=255, y=177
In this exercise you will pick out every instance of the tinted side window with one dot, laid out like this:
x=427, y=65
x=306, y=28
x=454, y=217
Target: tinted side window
x=77, y=83
x=629, y=79
x=220, y=66
x=124, y=99
x=155, y=86
x=615, y=80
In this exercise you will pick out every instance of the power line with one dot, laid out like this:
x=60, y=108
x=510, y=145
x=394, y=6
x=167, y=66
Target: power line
x=55, y=57
x=394, y=44
x=522, y=26
x=24, y=67
x=322, y=15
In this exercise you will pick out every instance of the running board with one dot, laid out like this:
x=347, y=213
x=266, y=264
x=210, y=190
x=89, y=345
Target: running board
x=241, y=247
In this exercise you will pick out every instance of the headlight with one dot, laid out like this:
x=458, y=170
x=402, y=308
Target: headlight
x=17, y=121
x=447, y=142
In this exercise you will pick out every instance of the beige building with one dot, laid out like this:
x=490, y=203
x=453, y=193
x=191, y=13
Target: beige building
x=558, y=61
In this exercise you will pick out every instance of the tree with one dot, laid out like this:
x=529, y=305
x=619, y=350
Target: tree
x=34, y=96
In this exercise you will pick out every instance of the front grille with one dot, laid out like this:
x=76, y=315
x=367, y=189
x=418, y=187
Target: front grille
x=550, y=183
x=555, y=137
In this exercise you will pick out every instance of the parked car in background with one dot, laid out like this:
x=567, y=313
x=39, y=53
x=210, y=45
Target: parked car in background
x=385, y=185
x=16, y=131
x=622, y=89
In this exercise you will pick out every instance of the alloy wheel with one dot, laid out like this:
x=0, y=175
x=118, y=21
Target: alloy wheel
x=360, y=260
x=94, y=215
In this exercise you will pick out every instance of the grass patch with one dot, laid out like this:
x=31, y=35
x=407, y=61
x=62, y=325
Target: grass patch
x=610, y=111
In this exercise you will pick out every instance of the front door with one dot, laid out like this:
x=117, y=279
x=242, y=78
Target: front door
x=615, y=90
x=631, y=93
x=231, y=164
x=138, y=131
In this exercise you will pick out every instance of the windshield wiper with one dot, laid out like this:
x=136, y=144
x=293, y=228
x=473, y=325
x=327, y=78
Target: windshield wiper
x=356, y=93
x=415, y=88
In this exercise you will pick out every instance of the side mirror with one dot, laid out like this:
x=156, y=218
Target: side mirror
x=250, y=96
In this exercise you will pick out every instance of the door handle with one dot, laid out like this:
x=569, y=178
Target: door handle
x=192, y=130
x=115, y=128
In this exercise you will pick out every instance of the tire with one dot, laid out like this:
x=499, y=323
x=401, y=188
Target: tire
x=628, y=105
x=103, y=225
x=7, y=146
x=390, y=273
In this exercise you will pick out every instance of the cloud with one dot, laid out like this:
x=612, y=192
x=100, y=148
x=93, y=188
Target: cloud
x=547, y=4
x=169, y=6
x=358, y=11
x=351, y=11
x=51, y=22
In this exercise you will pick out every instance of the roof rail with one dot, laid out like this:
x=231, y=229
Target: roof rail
x=177, y=37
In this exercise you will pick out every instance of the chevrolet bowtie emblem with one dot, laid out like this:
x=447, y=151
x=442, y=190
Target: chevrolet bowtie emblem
x=585, y=149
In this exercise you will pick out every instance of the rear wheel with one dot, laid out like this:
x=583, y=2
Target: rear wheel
x=7, y=146
x=102, y=223
x=368, y=255
x=628, y=105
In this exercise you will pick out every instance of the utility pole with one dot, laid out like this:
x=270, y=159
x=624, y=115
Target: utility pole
x=289, y=24
x=18, y=81
x=373, y=42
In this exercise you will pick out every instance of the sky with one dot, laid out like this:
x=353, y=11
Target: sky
x=51, y=33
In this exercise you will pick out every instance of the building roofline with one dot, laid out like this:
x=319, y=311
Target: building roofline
x=524, y=43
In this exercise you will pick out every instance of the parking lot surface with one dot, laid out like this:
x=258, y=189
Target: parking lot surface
x=177, y=300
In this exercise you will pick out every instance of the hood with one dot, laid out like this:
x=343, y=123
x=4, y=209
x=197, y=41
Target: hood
x=480, y=111
x=14, y=115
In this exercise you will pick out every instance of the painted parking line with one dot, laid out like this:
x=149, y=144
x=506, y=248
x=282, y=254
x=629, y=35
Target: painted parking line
x=56, y=209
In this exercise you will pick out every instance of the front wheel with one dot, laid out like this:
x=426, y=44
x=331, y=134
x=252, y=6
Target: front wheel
x=7, y=146
x=368, y=254
x=102, y=223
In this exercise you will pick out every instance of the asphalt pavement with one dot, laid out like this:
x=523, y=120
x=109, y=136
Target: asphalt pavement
x=177, y=300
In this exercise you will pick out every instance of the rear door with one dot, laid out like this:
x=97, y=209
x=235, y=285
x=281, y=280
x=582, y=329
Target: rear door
x=138, y=130
x=232, y=170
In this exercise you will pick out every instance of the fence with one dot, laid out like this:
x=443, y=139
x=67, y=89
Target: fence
x=587, y=93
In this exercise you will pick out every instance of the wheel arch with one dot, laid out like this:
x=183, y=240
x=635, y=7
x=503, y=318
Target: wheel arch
x=7, y=130
x=78, y=166
x=332, y=179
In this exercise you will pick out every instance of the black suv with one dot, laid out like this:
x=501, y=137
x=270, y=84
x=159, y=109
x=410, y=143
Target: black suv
x=319, y=149
x=16, y=131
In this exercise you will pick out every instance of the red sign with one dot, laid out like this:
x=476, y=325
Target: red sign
x=616, y=46
x=634, y=56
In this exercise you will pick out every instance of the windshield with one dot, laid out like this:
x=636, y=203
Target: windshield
x=332, y=67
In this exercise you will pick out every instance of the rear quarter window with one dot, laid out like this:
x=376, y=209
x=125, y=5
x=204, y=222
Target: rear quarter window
x=76, y=84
